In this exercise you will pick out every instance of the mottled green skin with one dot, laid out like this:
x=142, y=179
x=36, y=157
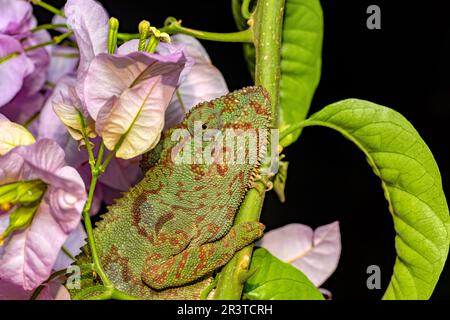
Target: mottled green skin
x=168, y=234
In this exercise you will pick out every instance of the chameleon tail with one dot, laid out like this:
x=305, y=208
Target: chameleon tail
x=196, y=262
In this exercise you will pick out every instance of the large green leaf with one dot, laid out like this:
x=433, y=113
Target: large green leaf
x=273, y=279
x=412, y=183
x=301, y=60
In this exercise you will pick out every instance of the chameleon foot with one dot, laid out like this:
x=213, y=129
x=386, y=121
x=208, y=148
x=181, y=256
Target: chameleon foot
x=196, y=262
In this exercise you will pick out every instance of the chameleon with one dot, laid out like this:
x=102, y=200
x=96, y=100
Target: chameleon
x=168, y=235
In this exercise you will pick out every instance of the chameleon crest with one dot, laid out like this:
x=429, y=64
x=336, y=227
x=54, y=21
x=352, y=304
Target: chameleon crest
x=165, y=238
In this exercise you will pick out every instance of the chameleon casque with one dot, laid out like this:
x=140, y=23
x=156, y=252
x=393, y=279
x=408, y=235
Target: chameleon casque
x=165, y=238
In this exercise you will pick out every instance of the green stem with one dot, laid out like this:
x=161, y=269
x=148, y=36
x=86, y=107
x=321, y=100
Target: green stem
x=95, y=170
x=174, y=26
x=55, y=40
x=245, y=9
x=49, y=26
x=268, y=24
x=48, y=7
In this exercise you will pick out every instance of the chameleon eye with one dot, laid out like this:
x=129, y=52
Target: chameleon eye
x=204, y=126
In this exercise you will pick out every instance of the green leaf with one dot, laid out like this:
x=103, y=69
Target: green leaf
x=412, y=184
x=279, y=183
x=273, y=279
x=301, y=61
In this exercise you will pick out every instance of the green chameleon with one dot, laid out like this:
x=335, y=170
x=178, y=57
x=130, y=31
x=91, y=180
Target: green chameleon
x=165, y=238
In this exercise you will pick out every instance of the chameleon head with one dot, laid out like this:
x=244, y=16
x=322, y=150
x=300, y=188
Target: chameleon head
x=248, y=108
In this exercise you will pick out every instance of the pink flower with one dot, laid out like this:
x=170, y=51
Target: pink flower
x=21, y=77
x=199, y=81
x=29, y=99
x=15, y=17
x=12, y=71
x=120, y=174
x=28, y=254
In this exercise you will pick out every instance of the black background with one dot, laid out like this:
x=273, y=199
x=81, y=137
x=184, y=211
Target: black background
x=405, y=66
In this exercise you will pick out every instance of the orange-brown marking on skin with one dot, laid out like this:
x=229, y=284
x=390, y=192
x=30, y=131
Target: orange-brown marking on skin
x=198, y=171
x=259, y=109
x=162, y=220
x=213, y=229
x=136, y=212
x=199, y=188
x=159, y=273
x=199, y=219
x=182, y=264
x=202, y=259
x=241, y=126
x=113, y=256
x=222, y=169
x=230, y=214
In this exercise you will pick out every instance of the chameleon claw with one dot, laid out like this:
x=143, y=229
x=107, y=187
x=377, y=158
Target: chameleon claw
x=267, y=185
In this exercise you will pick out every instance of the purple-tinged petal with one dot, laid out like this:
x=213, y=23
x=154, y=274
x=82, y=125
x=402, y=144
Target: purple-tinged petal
x=111, y=75
x=73, y=244
x=315, y=253
x=50, y=126
x=64, y=61
x=29, y=255
x=14, y=70
x=128, y=47
x=66, y=198
x=11, y=291
x=130, y=97
x=202, y=82
x=24, y=106
x=40, y=57
x=89, y=21
x=15, y=16
x=13, y=135
x=122, y=174
x=54, y=291
x=44, y=157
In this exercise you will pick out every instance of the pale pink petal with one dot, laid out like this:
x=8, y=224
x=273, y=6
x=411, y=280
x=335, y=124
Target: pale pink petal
x=66, y=197
x=89, y=21
x=130, y=97
x=12, y=71
x=15, y=16
x=73, y=244
x=111, y=75
x=13, y=135
x=50, y=126
x=12, y=168
x=315, y=253
x=41, y=60
x=11, y=291
x=54, y=291
x=30, y=254
x=64, y=61
x=44, y=157
x=24, y=106
x=122, y=174
x=202, y=82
